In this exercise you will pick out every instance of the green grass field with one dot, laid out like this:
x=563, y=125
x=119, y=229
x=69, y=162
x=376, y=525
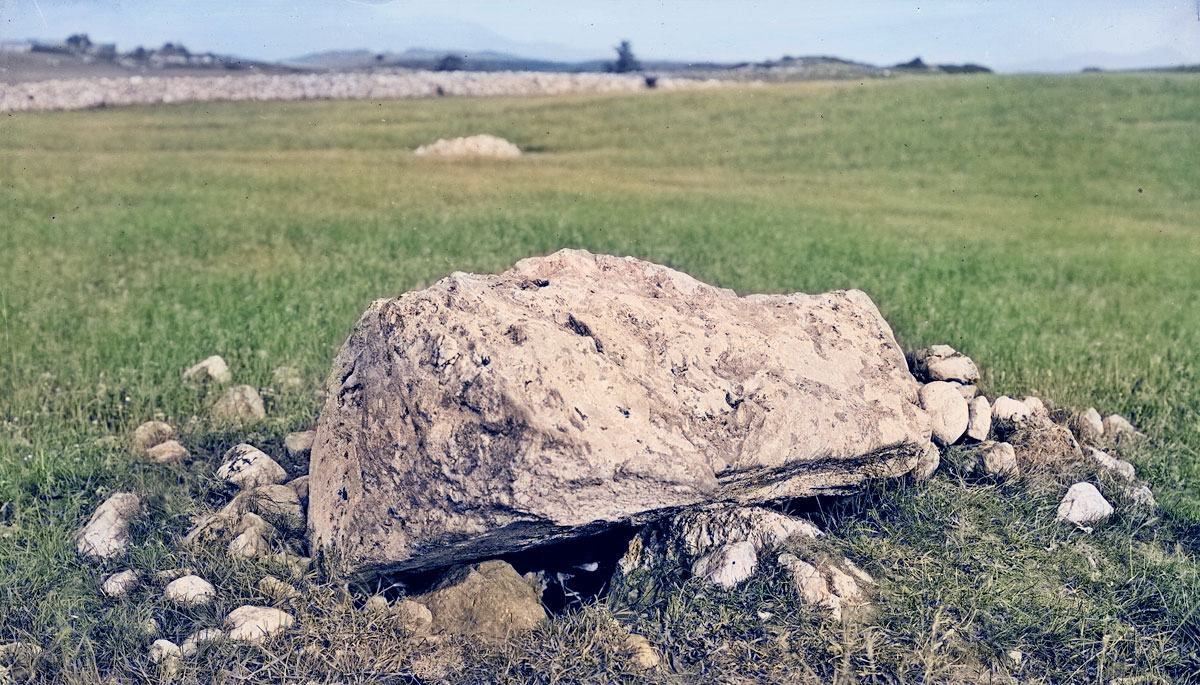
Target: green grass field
x=1048, y=227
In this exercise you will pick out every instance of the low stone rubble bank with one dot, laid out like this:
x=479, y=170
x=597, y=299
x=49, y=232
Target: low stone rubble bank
x=62, y=94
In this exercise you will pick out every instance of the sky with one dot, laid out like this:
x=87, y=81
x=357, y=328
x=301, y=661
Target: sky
x=1014, y=35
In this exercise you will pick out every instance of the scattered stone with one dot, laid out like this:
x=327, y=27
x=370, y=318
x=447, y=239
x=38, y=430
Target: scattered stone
x=253, y=523
x=483, y=145
x=979, y=419
x=1083, y=504
x=944, y=363
x=190, y=591
x=810, y=585
x=192, y=643
x=1089, y=427
x=163, y=651
x=1122, y=467
x=1009, y=410
x=249, y=544
x=728, y=565
x=641, y=653
x=999, y=459
x=647, y=385
x=150, y=434
x=1117, y=427
x=300, y=487
x=168, y=452
x=248, y=467
x=279, y=505
x=927, y=463
x=107, y=532
x=211, y=370
x=287, y=378
x=296, y=566
x=277, y=589
x=167, y=575
x=119, y=584
x=948, y=411
x=299, y=444
x=255, y=624
x=376, y=604
x=488, y=600
x=413, y=618
x=241, y=404
x=1142, y=496
x=1036, y=406
x=969, y=392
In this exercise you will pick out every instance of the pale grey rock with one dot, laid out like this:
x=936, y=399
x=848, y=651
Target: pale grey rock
x=999, y=459
x=253, y=523
x=255, y=624
x=1083, y=504
x=278, y=505
x=835, y=585
x=300, y=487
x=944, y=363
x=1089, y=427
x=810, y=585
x=968, y=392
x=287, y=378
x=1117, y=428
x=163, y=650
x=1142, y=496
x=979, y=419
x=249, y=544
x=192, y=643
x=248, y=467
x=1036, y=406
x=376, y=604
x=575, y=391
x=299, y=444
x=1120, y=466
x=168, y=574
x=277, y=589
x=727, y=565
x=641, y=654
x=489, y=601
x=211, y=370
x=927, y=463
x=1009, y=410
x=413, y=618
x=107, y=532
x=948, y=411
x=169, y=452
x=119, y=584
x=148, y=435
x=240, y=405
x=190, y=591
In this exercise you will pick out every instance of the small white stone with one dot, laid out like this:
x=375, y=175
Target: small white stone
x=641, y=653
x=299, y=444
x=168, y=452
x=1122, y=467
x=1082, y=504
x=979, y=421
x=211, y=370
x=948, y=412
x=277, y=589
x=1089, y=427
x=1036, y=406
x=249, y=544
x=190, y=591
x=119, y=584
x=1006, y=408
x=811, y=586
x=107, y=532
x=191, y=644
x=1142, y=497
x=255, y=624
x=162, y=650
x=728, y=565
x=150, y=434
x=927, y=462
x=944, y=363
x=376, y=604
x=999, y=459
x=1117, y=427
x=414, y=618
x=239, y=405
x=247, y=467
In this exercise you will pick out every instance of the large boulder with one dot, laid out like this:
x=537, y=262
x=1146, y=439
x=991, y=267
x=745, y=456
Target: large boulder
x=488, y=414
